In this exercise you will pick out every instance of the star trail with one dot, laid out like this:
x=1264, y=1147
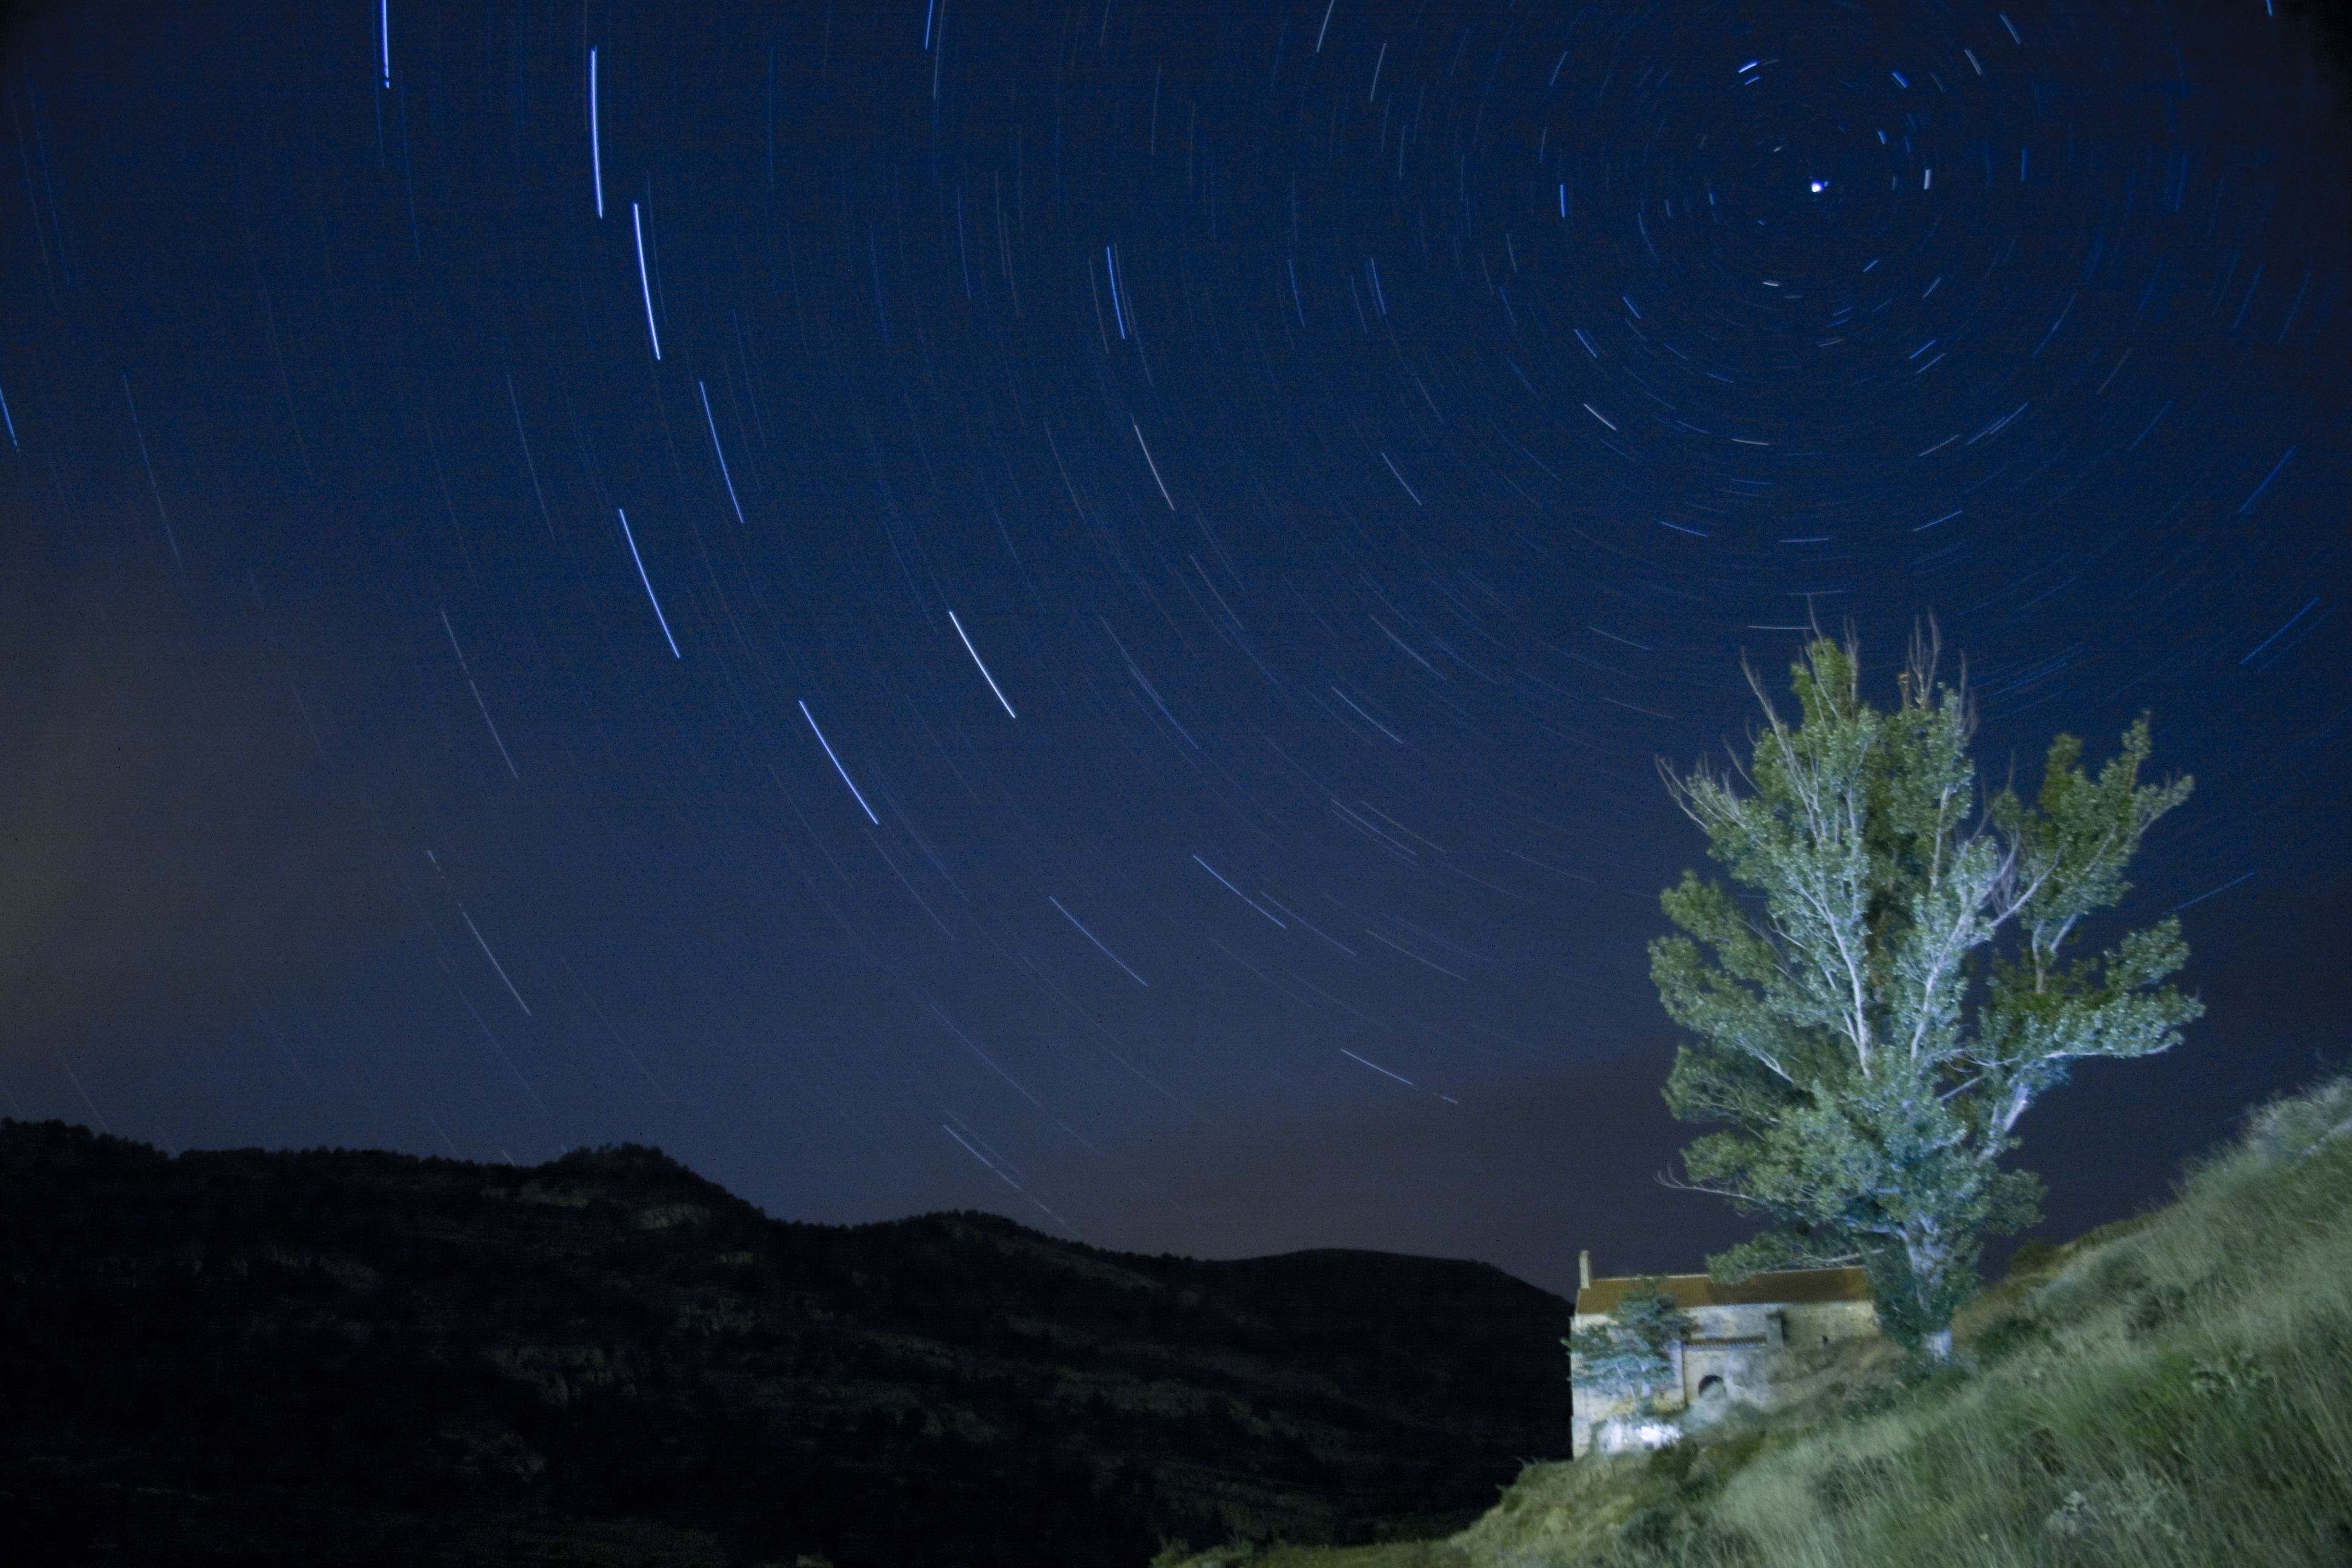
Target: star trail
x=1071, y=608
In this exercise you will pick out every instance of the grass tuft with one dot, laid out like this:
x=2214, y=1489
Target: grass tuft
x=2172, y=1391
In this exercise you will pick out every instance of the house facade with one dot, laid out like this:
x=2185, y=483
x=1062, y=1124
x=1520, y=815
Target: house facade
x=1758, y=1343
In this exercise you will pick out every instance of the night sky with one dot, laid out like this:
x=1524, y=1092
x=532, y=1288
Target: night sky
x=1070, y=609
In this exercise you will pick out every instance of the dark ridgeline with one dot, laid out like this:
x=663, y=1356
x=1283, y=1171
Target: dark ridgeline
x=360, y=1357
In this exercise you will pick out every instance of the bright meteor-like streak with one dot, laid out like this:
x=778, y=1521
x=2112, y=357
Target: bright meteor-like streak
x=651, y=332
x=838, y=768
x=627, y=533
x=723, y=473
x=983, y=668
x=493, y=957
x=1155, y=467
x=595, y=136
x=1378, y=1069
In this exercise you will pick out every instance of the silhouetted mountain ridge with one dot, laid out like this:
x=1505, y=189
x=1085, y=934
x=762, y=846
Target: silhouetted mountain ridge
x=259, y=1356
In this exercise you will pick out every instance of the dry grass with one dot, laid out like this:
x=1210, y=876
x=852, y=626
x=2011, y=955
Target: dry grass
x=2173, y=1392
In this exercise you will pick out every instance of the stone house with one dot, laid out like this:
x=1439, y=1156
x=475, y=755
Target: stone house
x=1760, y=1343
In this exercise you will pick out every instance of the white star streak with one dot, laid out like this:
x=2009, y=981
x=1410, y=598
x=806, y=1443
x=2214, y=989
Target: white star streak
x=983, y=668
x=651, y=332
x=632, y=538
x=838, y=768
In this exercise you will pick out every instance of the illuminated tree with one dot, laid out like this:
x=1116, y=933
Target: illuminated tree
x=1865, y=1103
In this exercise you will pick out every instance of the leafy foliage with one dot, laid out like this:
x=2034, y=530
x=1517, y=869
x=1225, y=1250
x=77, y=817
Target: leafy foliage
x=1865, y=1103
x=2219, y=1439
x=1631, y=1356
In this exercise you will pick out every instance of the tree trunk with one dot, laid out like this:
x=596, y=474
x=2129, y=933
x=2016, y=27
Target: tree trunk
x=1929, y=1256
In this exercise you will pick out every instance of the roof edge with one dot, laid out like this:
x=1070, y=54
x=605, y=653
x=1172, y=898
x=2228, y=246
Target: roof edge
x=1790, y=1286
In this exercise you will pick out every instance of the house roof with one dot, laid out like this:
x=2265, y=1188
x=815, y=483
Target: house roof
x=1793, y=1287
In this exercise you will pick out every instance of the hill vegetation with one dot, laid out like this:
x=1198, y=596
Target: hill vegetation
x=2174, y=1391
x=340, y=1356
x=364, y=1358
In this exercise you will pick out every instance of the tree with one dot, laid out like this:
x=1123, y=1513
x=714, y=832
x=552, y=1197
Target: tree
x=1632, y=1354
x=1865, y=1104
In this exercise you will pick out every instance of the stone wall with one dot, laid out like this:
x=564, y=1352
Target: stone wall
x=1759, y=1354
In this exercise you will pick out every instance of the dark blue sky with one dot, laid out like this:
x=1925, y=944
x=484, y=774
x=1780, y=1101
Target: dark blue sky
x=1069, y=609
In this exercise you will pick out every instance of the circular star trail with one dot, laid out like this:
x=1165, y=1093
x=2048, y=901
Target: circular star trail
x=1072, y=609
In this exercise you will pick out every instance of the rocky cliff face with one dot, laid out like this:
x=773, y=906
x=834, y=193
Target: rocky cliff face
x=362, y=1357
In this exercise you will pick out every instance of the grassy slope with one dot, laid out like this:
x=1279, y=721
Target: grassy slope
x=2171, y=1390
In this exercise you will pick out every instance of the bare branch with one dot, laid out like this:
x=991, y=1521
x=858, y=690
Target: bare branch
x=1869, y=927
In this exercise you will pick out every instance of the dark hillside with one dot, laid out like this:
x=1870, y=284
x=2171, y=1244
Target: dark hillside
x=258, y=1357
